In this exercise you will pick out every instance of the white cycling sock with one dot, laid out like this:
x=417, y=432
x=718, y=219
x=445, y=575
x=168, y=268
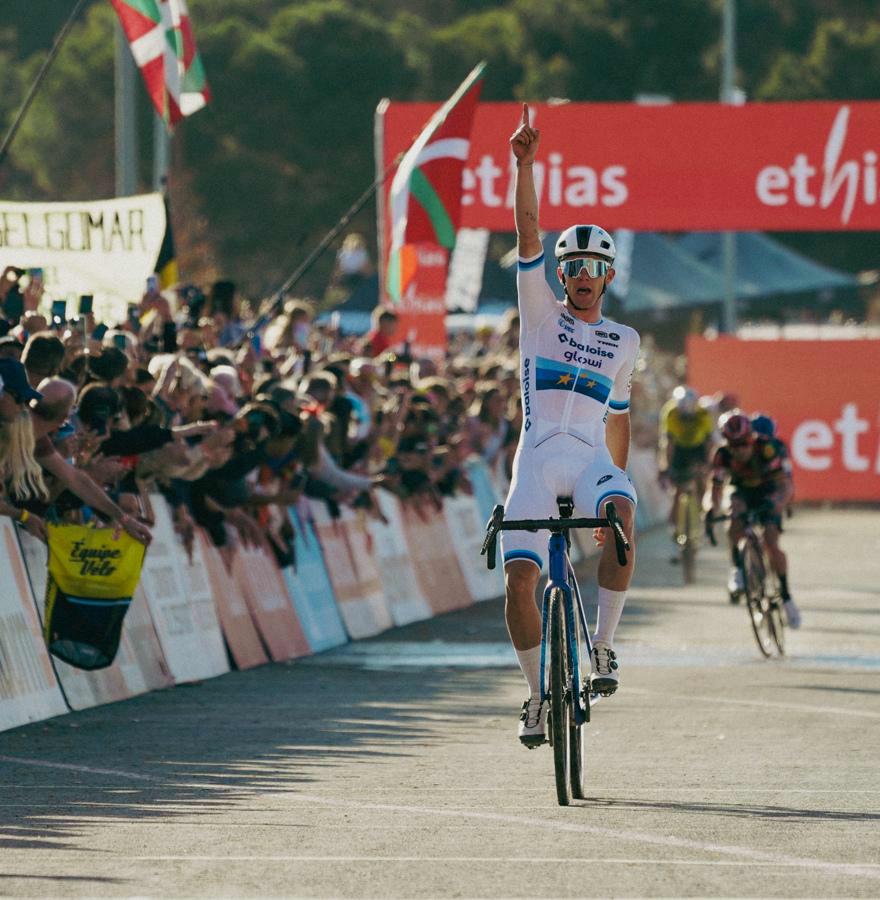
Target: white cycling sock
x=610, y=605
x=530, y=663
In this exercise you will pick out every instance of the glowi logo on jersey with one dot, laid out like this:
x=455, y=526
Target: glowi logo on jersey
x=527, y=409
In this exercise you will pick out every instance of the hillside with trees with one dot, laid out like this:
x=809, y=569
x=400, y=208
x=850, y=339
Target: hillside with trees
x=287, y=142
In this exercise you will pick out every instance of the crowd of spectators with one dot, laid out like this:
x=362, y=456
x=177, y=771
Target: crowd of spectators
x=233, y=412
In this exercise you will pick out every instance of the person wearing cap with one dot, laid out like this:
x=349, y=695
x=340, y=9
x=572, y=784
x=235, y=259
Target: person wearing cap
x=576, y=367
x=48, y=415
x=10, y=347
x=21, y=478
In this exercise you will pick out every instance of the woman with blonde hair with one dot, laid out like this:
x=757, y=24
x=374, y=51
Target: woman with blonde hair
x=21, y=477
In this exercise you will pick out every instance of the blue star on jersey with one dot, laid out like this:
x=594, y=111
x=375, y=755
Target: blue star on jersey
x=551, y=375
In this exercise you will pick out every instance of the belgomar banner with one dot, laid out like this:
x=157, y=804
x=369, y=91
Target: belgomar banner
x=103, y=247
x=681, y=167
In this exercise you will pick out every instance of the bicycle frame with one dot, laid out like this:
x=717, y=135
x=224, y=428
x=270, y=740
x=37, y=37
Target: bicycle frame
x=562, y=577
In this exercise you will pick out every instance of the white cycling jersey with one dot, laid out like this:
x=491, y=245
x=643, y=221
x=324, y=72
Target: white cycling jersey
x=573, y=373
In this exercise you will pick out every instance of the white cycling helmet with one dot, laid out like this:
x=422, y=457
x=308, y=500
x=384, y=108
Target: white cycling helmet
x=579, y=239
x=686, y=399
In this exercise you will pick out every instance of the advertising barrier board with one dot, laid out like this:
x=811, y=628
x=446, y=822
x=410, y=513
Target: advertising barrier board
x=309, y=585
x=262, y=585
x=436, y=565
x=363, y=614
x=190, y=638
x=28, y=688
x=239, y=630
x=402, y=592
x=824, y=395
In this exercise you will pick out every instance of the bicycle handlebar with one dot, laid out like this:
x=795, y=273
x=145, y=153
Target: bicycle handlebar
x=497, y=523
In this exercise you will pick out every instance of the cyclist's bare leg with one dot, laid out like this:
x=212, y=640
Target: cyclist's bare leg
x=613, y=578
x=611, y=574
x=524, y=620
x=520, y=609
x=778, y=559
x=736, y=529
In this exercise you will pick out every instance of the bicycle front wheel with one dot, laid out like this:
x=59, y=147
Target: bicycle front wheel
x=757, y=606
x=687, y=537
x=577, y=733
x=777, y=624
x=560, y=715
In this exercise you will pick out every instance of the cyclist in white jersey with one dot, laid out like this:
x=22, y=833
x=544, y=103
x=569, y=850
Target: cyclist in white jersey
x=575, y=369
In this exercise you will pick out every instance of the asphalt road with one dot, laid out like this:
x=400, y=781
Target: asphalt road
x=390, y=768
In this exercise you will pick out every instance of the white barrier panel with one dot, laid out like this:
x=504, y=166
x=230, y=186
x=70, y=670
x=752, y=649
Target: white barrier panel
x=262, y=585
x=126, y=677
x=205, y=614
x=467, y=529
x=192, y=642
x=364, y=614
x=28, y=689
x=309, y=585
x=402, y=592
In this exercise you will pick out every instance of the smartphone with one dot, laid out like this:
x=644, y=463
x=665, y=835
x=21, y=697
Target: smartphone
x=119, y=342
x=99, y=332
x=169, y=338
x=59, y=311
x=85, y=304
x=152, y=284
x=134, y=317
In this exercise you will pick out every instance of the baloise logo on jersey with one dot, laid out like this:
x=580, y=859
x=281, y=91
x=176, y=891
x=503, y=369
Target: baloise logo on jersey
x=527, y=409
x=572, y=356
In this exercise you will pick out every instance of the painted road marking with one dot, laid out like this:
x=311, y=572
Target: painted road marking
x=765, y=704
x=640, y=837
x=393, y=655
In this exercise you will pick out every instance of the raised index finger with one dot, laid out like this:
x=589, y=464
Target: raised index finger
x=525, y=114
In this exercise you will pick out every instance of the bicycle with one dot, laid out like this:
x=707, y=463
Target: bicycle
x=686, y=519
x=564, y=631
x=760, y=587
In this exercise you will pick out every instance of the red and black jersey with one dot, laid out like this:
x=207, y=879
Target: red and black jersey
x=765, y=465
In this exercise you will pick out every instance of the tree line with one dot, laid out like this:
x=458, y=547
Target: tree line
x=287, y=142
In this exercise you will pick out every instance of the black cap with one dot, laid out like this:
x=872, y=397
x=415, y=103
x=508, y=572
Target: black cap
x=14, y=377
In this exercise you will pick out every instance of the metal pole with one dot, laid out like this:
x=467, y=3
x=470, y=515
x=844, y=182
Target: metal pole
x=728, y=95
x=126, y=118
x=161, y=153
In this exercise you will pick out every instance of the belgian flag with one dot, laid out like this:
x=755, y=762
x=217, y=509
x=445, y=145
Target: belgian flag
x=166, y=263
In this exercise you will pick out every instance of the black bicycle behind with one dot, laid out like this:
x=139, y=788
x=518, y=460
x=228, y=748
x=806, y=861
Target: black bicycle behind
x=760, y=586
x=565, y=633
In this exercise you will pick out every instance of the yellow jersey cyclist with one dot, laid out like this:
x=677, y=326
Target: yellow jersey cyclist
x=755, y=467
x=686, y=437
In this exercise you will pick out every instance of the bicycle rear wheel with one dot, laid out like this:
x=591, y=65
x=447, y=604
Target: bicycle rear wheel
x=560, y=716
x=685, y=538
x=758, y=608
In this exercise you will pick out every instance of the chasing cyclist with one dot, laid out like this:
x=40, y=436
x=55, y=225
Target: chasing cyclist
x=575, y=373
x=686, y=430
x=756, y=469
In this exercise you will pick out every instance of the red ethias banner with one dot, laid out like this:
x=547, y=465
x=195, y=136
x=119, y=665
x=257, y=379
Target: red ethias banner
x=681, y=167
x=824, y=395
x=422, y=309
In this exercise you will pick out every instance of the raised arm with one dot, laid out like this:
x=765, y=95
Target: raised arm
x=524, y=144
